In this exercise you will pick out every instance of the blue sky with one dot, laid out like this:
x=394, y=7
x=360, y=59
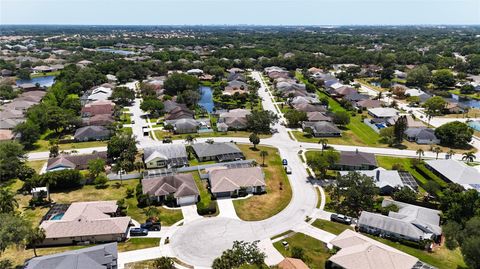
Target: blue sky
x=265, y=12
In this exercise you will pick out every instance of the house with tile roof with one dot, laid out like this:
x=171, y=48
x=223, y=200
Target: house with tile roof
x=180, y=187
x=356, y=251
x=92, y=222
x=227, y=182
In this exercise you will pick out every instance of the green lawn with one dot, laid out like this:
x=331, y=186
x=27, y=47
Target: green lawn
x=38, y=75
x=205, y=196
x=37, y=165
x=442, y=258
x=316, y=253
x=279, y=193
x=125, y=118
x=43, y=145
x=330, y=226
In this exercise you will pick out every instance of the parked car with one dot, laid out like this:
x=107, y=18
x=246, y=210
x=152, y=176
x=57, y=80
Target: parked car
x=138, y=232
x=288, y=170
x=284, y=162
x=151, y=226
x=341, y=219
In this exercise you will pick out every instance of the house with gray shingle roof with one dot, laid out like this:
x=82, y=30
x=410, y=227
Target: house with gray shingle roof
x=165, y=156
x=221, y=152
x=180, y=187
x=92, y=132
x=79, y=162
x=422, y=136
x=411, y=222
x=322, y=128
x=96, y=257
x=356, y=160
x=455, y=171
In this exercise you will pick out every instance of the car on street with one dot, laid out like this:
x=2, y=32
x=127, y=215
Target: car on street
x=138, y=232
x=151, y=226
x=284, y=162
x=288, y=170
x=341, y=219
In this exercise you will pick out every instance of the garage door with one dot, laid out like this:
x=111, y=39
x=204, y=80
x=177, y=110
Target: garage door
x=187, y=200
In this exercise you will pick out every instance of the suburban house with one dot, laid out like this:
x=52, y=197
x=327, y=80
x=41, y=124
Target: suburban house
x=356, y=160
x=79, y=162
x=100, y=93
x=179, y=112
x=357, y=251
x=85, y=222
x=382, y=112
x=99, y=120
x=456, y=172
x=92, y=132
x=180, y=187
x=310, y=108
x=322, y=128
x=235, y=86
x=235, y=119
x=227, y=182
x=386, y=180
x=97, y=108
x=422, y=136
x=185, y=126
x=303, y=100
x=411, y=222
x=97, y=257
x=368, y=103
x=165, y=156
x=220, y=152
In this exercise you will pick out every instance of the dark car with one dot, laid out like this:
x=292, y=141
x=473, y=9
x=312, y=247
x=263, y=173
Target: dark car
x=138, y=232
x=151, y=226
x=284, y=162
x=341, y=219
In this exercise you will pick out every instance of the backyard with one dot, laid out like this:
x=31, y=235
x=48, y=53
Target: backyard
x=279, y=193
x=331, y=227
x=160, y=134
x=316, y=253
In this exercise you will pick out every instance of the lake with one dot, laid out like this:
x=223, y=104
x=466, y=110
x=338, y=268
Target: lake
x=45, y=81
x=466, y=101
x=121, y=52
x=206, y=99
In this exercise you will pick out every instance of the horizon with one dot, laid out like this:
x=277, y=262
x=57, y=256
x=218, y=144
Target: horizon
x=237, y=12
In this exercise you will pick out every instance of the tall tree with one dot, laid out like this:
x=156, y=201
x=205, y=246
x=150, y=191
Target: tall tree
x=399, y=129
x=455, y=134
x=242, y=253
x=13, y=229
x=420, y=153
x=469, y=156
x=260, y=121
x=34, y=237
x=254, y=139
x=29, y=133
x=263, y=154
x=12, y=157
x=8, y=203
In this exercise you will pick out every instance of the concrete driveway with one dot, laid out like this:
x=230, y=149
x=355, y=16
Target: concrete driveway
x=190, y=213
x=226, y=208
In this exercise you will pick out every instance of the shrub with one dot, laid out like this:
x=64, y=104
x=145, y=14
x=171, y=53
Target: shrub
x=206, y=210
x=129, y=192
x=101, y=181
x=143, y=200
x=61, y=180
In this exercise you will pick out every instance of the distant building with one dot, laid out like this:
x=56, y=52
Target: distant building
x=79, y=162
x=221, y=152
x=92, y=132
x=356, y=160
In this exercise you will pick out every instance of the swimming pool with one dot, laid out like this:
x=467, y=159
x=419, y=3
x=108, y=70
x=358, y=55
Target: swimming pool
x=475, y=125
x=57, y=217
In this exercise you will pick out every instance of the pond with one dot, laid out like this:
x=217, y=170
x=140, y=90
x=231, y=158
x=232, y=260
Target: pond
x=121, y=52
x=45, y=81
x=206, y=99
x=467, y=101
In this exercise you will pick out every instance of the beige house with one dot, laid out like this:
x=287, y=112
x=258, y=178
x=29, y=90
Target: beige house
x=85, y=222
x=227, y=182
x=360, y=252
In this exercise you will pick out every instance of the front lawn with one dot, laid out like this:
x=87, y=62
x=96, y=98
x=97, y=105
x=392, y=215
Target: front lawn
x=316, y=253
x=43, y=145
x=330, y=226
x=205, y=196
x=279, y=192
x=37, y=165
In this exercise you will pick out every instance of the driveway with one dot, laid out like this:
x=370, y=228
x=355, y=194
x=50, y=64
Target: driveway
x=226, y=208
x=190, y=213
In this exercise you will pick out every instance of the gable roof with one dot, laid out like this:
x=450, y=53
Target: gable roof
x=92, y=131
x=383, y=112
x=292, y=263
x=95, y=257
x=74, y=161
x=360, y=252
x=180, y=185
x=323, y=127
x=421, y=133
x=318, y=116
x=87, y=219
x=381, y=177
x=228, y=180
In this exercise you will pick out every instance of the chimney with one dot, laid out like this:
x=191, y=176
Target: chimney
x=356, y=151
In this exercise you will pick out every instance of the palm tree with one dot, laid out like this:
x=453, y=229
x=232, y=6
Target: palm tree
x=437, y=151
x=469, y=156
x=34, y=237
x=190, y=139
x=8, y=203
x=139, y=166
x=263, y=154
x=451, y=153
x=324, y=143
x=420, y=153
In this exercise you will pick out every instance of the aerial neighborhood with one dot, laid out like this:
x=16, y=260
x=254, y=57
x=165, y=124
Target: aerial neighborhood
x=239, y=147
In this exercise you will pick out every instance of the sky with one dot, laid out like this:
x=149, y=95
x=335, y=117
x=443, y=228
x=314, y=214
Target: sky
x=233, y=12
